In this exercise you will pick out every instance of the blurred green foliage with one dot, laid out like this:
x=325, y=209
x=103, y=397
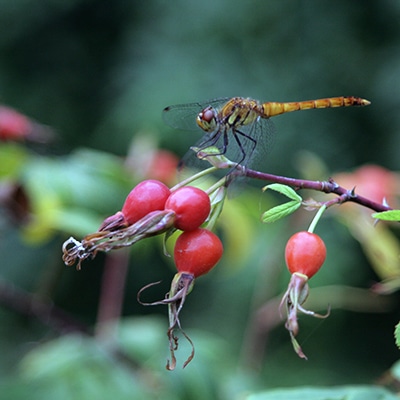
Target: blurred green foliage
x=99, y=73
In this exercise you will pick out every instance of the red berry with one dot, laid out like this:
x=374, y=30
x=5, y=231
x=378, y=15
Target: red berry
x=191, y=206
x=13, y=125
x=162, y=166
x=305, y=252
x=147, y=196
x=197, y=252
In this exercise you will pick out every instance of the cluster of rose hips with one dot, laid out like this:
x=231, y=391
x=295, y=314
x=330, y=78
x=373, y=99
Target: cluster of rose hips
x=196, y=252
x=151, y=208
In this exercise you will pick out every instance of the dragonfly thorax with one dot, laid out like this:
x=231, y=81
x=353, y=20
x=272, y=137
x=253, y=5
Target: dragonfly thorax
x=239, y=112
x=207, y=119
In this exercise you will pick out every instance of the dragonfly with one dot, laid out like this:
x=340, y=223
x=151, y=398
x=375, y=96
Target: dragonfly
x=239, y=126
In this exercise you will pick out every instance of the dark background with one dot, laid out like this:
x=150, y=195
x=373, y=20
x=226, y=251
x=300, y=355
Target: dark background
x=100, y=73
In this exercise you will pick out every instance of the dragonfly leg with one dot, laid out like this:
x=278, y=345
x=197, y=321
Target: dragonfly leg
x=236, y=134
x=213, y=140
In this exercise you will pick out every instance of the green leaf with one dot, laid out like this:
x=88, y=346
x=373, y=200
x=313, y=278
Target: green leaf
x=285, y=190
x=280, y=211
x=51, y=367
x=392, y=215
x=12, y=159
x=142, y=337
x=321, y=393
x=397, y=335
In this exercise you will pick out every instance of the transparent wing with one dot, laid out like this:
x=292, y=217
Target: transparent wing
x=183, y=116
x=248, y=145
x=263, y=133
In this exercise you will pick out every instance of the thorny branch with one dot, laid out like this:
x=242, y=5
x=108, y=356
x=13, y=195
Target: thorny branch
x=329, y=186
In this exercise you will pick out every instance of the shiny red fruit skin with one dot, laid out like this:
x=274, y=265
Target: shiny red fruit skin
x=191, y=206
x=197, y=252
x=147, y=196
x=305, y=253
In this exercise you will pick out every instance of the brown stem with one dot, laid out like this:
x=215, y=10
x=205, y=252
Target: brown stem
x=329, y=186
x=112, y=293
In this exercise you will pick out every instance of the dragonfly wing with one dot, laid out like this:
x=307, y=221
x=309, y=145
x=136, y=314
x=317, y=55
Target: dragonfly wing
x=183, y=116
x=247, y=145
x=191, y=160
x=264, y=133
x=250, y=144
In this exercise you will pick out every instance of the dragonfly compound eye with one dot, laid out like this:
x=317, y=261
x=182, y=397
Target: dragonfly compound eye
x=206, y=119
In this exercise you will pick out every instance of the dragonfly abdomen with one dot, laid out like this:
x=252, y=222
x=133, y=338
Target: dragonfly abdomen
x=271, y=109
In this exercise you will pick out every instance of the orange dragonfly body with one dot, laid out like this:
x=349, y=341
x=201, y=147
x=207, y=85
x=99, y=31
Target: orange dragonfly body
x=246, y=121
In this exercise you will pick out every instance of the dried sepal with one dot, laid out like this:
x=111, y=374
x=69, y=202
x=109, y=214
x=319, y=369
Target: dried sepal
x=154, y=223
x=181, y=285
x=295, y=295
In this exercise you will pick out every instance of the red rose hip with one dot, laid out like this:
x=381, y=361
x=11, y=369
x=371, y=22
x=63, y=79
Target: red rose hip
x=197, y=252
x=305, y=253
x=191, y=206
x=147, y=196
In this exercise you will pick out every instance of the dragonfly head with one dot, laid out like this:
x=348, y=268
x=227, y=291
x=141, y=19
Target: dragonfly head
x=207, y=119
